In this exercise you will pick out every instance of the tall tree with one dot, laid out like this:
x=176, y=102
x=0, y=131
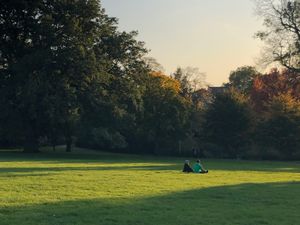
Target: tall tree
x=278, y=131
x=242, y=79
x=153, y=64
x=115, y=111
x=227, y=122
x=190, y=79
x=273, y=84
x=56, y=59
x=165, y=119
x=282, y=32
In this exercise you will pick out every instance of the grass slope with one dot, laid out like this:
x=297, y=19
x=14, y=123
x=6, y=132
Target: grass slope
x=106, y=189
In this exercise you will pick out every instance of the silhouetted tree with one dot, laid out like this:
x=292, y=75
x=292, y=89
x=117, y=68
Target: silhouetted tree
x=282, y=32
x=60, y=59
x=227, y=122
x=190, y=79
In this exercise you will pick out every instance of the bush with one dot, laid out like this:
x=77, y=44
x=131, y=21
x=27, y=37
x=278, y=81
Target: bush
x=108, y=139
x=101, y=138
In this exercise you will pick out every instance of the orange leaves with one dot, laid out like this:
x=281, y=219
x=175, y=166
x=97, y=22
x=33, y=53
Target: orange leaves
x=275, y=84
x=166, y=82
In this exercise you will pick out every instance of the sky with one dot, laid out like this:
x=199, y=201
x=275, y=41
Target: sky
x=217, y=36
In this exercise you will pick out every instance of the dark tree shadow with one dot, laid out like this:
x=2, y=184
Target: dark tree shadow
x=6, y=171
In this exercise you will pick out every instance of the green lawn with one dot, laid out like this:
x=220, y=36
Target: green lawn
x=106, y=189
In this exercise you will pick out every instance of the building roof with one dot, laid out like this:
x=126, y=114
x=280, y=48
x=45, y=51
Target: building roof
x=217, y=90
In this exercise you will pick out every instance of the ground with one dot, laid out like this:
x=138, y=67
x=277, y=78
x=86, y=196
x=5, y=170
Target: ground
x=111, y=189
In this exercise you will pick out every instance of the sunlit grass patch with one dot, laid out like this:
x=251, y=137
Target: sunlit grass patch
x=118, y=189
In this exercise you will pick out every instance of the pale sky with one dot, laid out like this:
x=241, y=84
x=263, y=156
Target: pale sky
x=214, y=35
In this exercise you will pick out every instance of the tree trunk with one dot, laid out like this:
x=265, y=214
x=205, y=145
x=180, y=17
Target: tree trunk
x=53, y=140
x=156, y=148
x=180, y=147
x=69, y=144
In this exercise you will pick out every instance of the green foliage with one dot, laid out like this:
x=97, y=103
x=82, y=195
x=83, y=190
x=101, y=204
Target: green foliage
x=106, y=139
x=165, y=118
x=48, y=59
x=242, y=79
x=279, y=129
x=61, y=62
x=227, y=122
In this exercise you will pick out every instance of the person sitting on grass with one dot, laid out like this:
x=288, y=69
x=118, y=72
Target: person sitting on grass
x=198, y=167
x=187, y=168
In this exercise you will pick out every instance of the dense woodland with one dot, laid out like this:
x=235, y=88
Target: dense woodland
x=69, y=76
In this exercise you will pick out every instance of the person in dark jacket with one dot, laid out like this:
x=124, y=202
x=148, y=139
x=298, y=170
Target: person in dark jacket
x=187, y=168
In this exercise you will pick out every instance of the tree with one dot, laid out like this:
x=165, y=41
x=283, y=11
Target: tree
x=271, y=85
x=153, y=65
x=165, y=119
x=275, y=98
x=190, y=79
x=114, y=112
x=278, y=131
x=282, y=32
x=41, y=47
x=58, y=59
x=242, y=79
x=226, y=123
x=202, y=98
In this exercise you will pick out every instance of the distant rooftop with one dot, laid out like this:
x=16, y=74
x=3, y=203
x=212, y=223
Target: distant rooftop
x=217, y=90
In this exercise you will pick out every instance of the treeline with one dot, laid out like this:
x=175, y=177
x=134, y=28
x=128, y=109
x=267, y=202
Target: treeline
x=256, y=117
x=69, y=76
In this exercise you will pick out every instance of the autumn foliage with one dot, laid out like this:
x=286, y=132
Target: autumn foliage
x=262, y=123
x=272, y=85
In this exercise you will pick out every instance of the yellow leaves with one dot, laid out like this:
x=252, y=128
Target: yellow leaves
x=285, y=103
x=166, y=82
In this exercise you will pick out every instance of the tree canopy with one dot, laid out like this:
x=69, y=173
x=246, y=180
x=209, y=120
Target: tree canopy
x=60, y=59
x=282, y=32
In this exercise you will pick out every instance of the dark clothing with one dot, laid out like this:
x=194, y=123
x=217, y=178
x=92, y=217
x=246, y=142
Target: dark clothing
x=187, y=168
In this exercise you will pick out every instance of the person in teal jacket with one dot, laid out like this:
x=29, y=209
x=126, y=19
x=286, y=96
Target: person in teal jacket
x=198, y=168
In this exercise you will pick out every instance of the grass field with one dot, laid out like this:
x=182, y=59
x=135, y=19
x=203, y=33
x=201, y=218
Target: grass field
x=106, y=189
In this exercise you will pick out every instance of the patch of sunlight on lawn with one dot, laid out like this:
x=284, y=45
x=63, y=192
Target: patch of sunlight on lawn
x=28, y=182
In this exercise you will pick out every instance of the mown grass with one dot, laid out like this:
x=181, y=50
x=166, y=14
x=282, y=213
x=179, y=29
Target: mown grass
x=107, y=189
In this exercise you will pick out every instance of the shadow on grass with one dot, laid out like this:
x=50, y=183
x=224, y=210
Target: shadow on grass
x=247, y=204
x=80, y=168
x=259, y=166
x=54, y=157
x=101, y=157
x=115, y=159
x=27, y=175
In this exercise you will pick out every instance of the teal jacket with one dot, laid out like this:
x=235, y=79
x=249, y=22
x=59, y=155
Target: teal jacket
x=197, y=168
